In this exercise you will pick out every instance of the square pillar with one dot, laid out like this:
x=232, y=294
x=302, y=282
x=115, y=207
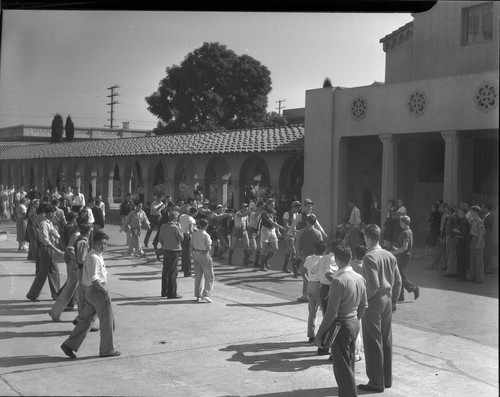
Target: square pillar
x=389, y=171
x=453, y=141
x=339, y=181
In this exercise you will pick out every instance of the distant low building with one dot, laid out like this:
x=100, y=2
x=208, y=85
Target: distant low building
x=41, y=134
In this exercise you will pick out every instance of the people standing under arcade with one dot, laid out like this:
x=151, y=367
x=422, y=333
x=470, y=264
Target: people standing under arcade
x=462, y=233
x=375, y=211
x=354, y=224
x=451, y=242
x=489, y=242
x=476, y=246
x=389, y=225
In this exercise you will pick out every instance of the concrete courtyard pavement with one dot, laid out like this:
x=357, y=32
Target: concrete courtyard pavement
x=251, y=341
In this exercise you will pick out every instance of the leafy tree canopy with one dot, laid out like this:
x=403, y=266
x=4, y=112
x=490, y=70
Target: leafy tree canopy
x=212, y=89
x=57, y=129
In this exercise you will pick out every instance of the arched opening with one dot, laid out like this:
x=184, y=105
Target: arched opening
x=254, y=172
x=292, y=179
x=117, y=185
x=217, y=182
x=136, y=182
x=185, y=179
x=159, y=180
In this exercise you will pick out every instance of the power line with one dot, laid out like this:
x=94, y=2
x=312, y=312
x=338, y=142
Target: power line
x=279, y=105
x=112, y=103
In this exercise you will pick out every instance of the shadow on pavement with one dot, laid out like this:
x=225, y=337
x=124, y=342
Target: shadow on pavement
x=274, y=359
x=17, y=361
x=39, y=334
x=287, y=303
x=322, y=392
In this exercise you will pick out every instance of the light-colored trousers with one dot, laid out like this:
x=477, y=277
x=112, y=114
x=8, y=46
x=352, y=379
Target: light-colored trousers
x=203, y=274
x=68, y=291
x=314, y=304
x=96, y=302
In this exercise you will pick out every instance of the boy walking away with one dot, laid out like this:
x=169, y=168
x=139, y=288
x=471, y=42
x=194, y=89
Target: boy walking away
x=346, y=305
x=313, y=294
x=94, y=280
x=201, y=245
x=307, y=244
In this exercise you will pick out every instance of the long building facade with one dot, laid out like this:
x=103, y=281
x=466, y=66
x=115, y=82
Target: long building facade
x=222, y=163
x=429, y=132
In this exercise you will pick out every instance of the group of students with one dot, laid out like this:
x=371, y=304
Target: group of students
x=75, y=238
x=341, y=286
x=463, y=240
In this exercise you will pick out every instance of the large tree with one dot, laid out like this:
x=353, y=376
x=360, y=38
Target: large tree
x=69, y=127
x=57, y=129
x=212, y=89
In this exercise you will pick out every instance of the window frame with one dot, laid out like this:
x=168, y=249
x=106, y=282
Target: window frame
x=481, y=17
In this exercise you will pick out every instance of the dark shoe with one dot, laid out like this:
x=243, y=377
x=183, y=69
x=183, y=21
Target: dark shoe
x=369, y=387
x=32, y=298
x=263, y=268
x=285, y=270
x=187, y=274
x=416, y=293
x=330, y=358
x=311, y=340
x=174, y=297
x=94, y=329
x=75, y=321
x=323, y=352
x=116, y=353
x=67, y=350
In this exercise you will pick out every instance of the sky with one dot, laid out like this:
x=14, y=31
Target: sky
x=64, y=61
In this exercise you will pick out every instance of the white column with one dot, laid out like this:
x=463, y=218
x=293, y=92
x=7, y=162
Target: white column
x=452, y=140
x=389, y=171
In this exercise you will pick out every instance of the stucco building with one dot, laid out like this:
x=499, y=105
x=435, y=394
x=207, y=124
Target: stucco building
x=429, y=132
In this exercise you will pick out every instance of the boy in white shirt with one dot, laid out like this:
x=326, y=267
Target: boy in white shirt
x=313, y=285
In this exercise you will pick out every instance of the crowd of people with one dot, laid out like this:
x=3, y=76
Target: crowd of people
x=461, y=240
x=362, y=264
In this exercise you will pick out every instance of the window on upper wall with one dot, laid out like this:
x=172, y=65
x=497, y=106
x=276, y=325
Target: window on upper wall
x=477, y=24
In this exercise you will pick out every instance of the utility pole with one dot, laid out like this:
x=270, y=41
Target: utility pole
x=112, y=103
x=279, y=105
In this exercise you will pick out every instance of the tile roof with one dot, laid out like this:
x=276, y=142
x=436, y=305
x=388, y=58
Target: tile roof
x=273, y=139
